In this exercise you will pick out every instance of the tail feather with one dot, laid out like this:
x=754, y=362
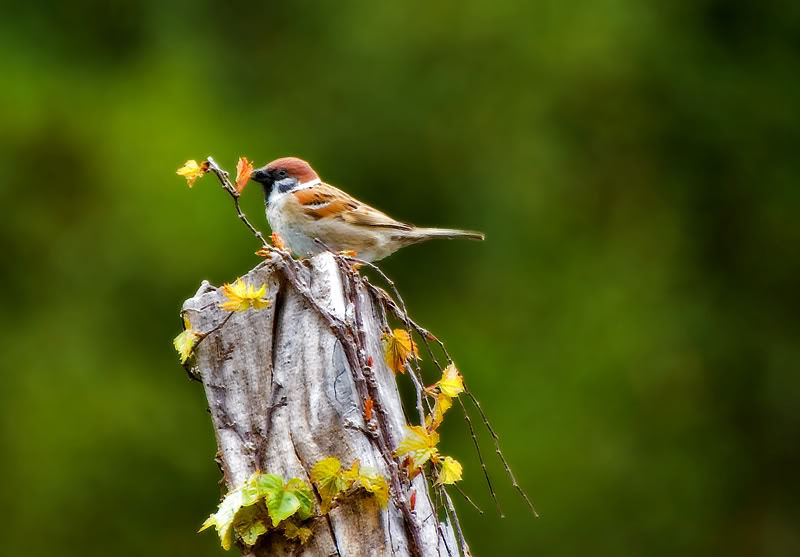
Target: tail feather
x=422, y=234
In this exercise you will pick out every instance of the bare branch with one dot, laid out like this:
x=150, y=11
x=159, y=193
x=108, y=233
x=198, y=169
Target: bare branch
x=469, y=500
x=453, y=519
x=480, y=457
x=499, y=452
x=224, y=179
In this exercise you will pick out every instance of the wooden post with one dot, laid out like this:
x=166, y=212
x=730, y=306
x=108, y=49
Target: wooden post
x=286, y=390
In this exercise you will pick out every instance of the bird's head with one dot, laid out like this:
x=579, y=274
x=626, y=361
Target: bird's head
x=284, y=174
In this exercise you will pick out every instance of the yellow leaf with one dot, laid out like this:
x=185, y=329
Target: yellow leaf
x=349, y=476
x=223, y=518
x=327, y=476
x=325, y=469
x=451, y=384
x=243, y=170
x=420, y=445
x=375, y=484
x=242, y=296
x=450, y=472
x=184, y=342
x=192, y=171
x=399, y=348
x=443, y=404
x=292, y=531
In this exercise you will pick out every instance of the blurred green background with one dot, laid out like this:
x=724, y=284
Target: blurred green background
x=631, y=324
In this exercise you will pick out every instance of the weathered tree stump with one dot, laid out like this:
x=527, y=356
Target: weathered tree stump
x=284, y=393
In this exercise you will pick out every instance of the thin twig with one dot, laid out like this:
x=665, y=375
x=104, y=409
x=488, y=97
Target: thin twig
x=355, y=350
x=421, y=331
x=384, y=323
x=449, y=509
x=467, y=497
x=389, y=528
x=406, y=319
x=480, y=457
x=400, y=311
x=499, y=452
x=461, y=542
x=419, y=389
x=426, y=336
x=227, y=186
x=416, y=377
x=439, y=528
x=202, y=336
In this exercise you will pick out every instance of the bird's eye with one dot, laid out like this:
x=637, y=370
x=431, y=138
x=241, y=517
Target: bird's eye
x=282, y=174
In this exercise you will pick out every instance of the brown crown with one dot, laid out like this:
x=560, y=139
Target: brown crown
x=297, y=168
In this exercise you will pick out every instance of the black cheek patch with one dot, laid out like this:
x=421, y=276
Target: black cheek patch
x=286, y=184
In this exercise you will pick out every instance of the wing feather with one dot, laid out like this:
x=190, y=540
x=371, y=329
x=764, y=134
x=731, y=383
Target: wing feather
x=325, y=201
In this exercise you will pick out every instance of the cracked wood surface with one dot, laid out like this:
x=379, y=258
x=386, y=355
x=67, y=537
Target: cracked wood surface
x=282, y=397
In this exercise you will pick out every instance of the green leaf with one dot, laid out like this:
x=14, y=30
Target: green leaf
x=295, y=497
x=267, y=483
x=251, y=489
x=304, y=495
x=281, y=505
x=249, y=524
x=250, y=534
x=242, y=512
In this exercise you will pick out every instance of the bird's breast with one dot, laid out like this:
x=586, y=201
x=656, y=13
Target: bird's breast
x=286, y=218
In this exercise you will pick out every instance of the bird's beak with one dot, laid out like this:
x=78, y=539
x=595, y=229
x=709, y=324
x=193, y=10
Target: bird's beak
x=260, y=175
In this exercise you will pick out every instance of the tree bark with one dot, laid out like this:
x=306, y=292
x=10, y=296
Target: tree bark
x=283, y=394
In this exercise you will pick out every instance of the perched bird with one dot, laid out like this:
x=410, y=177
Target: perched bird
x=301, y=208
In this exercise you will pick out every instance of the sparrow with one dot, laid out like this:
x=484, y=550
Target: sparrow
x=301, y=208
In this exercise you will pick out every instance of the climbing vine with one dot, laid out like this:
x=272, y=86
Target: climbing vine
x=265, y=503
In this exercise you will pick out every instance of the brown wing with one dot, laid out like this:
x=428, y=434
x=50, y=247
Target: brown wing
x=323, y=200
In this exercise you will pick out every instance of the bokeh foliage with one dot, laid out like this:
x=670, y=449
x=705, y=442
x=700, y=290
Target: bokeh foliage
x=631, y=324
